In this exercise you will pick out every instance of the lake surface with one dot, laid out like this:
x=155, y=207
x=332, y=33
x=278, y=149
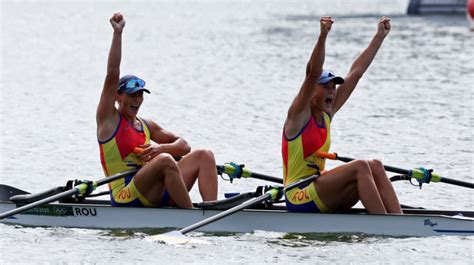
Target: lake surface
x=222, y=75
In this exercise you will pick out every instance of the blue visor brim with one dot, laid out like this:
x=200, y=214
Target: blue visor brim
x=132, y=90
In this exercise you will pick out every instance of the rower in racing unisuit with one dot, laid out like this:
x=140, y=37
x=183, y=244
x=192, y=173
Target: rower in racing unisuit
x=160, y=180
x=307, y=130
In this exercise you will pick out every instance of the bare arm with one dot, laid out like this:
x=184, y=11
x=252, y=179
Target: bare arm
x=299, y=111
x=361, y=64
x=106, y=115
x=166, y=142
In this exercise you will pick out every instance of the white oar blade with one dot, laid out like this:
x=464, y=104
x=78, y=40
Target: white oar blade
x=173, y=237
x=176, y=237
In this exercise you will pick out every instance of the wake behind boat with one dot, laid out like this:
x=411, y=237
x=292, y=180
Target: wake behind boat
x=98, y=214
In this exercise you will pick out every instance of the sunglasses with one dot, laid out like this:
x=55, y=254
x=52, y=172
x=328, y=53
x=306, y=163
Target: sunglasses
x=132, y=84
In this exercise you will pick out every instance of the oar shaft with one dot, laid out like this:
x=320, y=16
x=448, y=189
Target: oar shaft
x=411, y=173
x=228, y=212
x=397, y=170
x=23, y=208
x=457, y=182
x=267, y=196
x=387, y=168
x=230, y=170
x=265, y=177
x=120, y=175
x=300, y=182
x=65, y=194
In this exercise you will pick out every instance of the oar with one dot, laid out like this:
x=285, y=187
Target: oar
x=422, y=175
x=79, y=189
x=238, y=171
x=178, y=236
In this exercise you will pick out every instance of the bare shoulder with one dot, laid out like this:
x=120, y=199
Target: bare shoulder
x=152, y=125
x=158, y=133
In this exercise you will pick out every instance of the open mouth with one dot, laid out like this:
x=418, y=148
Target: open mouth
x=135, y=107
x=329, y=100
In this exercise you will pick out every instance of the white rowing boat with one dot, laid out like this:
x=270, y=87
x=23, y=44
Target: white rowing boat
x=99, y=214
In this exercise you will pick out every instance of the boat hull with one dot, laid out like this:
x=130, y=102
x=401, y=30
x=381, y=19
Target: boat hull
x=419, y=223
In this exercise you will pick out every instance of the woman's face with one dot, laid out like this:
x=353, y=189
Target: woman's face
x=129, y=104
x=323, y=97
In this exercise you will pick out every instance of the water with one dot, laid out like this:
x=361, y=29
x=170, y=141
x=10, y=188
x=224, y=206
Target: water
x=222, y=75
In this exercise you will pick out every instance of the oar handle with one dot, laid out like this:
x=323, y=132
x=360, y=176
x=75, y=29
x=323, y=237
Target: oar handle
x=332, y=156
x=137, y=150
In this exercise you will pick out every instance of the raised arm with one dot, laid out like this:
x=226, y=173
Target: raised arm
x=106, y=113
x=361, y=64
x=299, y=111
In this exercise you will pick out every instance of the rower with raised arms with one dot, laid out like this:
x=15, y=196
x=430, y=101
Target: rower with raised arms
x=307, y=131
x=160, y=180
